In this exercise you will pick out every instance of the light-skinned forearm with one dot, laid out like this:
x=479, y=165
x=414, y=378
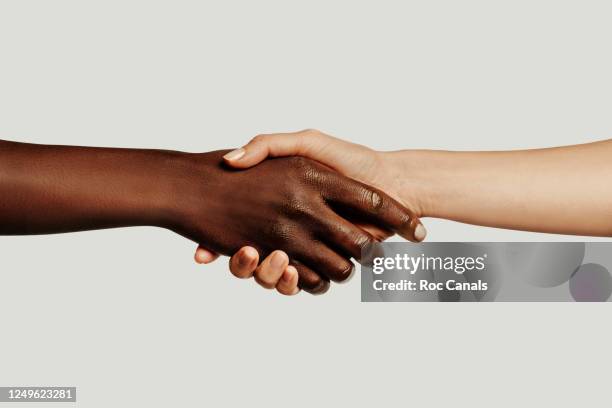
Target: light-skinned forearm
x=565, y=190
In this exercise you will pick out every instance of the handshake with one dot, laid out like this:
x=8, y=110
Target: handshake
x=293, y=209
x=304, y=218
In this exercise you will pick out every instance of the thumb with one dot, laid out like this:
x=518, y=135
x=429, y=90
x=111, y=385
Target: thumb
x=273, y=145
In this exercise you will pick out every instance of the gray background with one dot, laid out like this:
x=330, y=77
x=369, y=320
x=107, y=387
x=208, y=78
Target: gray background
x=127, y=316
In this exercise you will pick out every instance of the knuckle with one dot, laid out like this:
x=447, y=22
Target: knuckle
x=311, y=132
x=298, y=204
x=374, y=201
x=259, y=138
x=403, y=222
x=307, y=172
x=280, y=231
x=363, y=241
x=303, y=211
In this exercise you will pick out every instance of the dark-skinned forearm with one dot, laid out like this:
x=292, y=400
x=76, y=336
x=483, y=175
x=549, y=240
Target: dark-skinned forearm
x=51, y=189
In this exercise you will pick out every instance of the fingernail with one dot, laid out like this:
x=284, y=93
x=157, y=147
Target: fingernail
x=278, y=261
x=235, y=154
x=286, y=278
x=420, y=232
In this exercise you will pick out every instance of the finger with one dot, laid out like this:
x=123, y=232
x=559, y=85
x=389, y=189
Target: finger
x=205, y=256
x=380, y=234
x=307, y=143
x=288, y=283
x=370, y=204
x=323, y=260
x=343, y=235
x=271, y=269
x=244, y=262
x=309, y=280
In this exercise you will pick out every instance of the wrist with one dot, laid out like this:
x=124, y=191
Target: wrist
x=416, y=176
x=186, y=192
x=170, y=183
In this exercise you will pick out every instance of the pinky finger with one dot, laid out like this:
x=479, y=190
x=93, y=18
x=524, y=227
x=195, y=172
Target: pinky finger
x=288, y=283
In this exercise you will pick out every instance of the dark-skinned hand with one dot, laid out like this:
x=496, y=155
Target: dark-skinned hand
x=293, y=204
